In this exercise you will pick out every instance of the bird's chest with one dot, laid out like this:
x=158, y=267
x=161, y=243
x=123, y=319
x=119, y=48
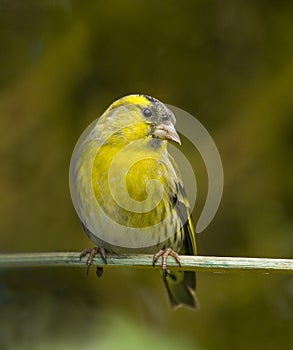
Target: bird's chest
x=134, y=180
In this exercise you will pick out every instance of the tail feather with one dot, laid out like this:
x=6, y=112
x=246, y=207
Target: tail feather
x=181, y=289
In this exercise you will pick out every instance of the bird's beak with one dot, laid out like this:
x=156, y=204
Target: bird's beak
x=166, y=132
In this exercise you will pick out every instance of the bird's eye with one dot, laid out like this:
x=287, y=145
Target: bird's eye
x=147, y=112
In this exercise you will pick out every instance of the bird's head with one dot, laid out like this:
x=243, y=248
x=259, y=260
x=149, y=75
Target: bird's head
x=136, y=117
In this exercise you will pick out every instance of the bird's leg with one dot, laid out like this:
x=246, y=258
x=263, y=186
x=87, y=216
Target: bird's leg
x=164, y=254
x=92, y=252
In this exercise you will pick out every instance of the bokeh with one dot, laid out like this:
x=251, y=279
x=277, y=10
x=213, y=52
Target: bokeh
x=229, y=63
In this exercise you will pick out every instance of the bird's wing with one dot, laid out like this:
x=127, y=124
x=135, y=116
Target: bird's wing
x=182, y=207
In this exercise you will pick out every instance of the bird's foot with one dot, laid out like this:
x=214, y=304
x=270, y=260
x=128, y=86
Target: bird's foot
x=92, y=252
x=164, y=254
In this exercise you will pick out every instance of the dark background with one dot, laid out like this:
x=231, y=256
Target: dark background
x=229, y=63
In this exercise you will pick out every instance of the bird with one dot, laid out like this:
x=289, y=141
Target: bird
x=128, y=192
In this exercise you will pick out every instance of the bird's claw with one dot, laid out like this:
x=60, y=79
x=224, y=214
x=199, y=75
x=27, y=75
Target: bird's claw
x=164, y=254
x=92, y=252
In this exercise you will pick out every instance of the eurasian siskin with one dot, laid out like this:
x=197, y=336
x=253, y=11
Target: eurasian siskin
x=128, y=191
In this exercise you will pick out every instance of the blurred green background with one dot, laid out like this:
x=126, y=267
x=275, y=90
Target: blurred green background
x=229, y=63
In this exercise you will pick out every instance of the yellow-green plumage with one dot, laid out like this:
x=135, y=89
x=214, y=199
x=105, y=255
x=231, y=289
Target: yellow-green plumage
x=128, y=191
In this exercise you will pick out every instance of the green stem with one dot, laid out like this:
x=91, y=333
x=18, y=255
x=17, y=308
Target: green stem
x=195, y=263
